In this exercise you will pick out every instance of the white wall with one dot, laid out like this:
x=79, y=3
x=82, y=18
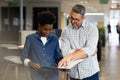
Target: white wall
x=95, y=17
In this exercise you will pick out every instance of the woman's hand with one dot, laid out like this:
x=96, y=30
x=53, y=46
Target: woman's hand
x=34, y=65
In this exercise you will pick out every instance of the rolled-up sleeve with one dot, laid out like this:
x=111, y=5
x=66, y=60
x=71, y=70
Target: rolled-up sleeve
x=91, y=43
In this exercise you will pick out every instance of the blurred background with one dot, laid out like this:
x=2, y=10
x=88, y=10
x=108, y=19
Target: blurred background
x=18, y=18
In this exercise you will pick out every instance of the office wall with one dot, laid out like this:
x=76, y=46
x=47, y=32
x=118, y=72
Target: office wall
x=13, y=36
x=29, y=14
x=0, y=19
x=94, y=18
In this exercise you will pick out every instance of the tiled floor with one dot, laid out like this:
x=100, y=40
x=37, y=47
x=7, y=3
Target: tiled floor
x=109, y=64
x=4, y=63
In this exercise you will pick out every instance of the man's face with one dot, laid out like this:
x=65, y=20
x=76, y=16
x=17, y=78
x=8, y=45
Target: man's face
x=76, y=19
x=45, y=30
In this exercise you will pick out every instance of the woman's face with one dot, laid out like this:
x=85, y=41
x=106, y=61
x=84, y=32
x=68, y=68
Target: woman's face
x=45, y=30
x=76, y=19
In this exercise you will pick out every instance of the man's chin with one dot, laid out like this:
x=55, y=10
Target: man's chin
x=75, y=27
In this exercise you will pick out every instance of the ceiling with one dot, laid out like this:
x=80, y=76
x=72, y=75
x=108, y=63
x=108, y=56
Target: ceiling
x=91, y=5
x=111, y=9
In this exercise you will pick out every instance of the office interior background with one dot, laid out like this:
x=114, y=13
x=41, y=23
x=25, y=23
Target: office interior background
x=18, y=18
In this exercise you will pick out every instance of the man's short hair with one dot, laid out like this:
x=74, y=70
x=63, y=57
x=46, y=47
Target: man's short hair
x=79, y=9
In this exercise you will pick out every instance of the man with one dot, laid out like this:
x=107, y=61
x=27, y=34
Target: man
x=41, y=50
x=79, y=41
x=109, y=28
x=118, y=31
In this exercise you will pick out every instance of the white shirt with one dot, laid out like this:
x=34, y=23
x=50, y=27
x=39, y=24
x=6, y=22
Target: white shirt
x=44, y=40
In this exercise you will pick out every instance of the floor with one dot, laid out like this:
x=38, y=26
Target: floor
x=109, y=64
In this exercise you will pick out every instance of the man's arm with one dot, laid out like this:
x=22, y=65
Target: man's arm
x=88, y=50
x=65, y=43
x=78, y=54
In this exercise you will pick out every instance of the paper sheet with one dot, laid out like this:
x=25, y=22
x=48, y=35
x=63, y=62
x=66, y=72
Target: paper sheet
x=71, y=64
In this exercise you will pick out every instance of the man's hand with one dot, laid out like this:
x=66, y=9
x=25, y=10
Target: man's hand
x=34, y=65
x=78, y=54
x=65, y=61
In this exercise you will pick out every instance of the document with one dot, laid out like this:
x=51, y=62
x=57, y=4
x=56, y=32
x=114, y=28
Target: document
x=71, y=64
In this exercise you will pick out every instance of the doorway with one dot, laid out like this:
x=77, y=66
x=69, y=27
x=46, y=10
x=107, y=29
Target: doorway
x=10, y=24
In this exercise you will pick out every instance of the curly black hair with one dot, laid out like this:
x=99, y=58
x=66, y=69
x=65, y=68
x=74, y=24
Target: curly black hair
x=46, y=17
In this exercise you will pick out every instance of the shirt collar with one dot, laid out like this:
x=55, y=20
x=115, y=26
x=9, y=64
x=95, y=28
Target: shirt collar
x=37, y=34
x=83, y=24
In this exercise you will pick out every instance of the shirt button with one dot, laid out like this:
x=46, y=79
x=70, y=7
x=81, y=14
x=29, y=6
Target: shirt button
x=44, y=54
x=44, y=60
x=43, y=48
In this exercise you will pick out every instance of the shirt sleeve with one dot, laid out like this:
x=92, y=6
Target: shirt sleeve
x=65, y=44
x=26, y=49
x=58, y=55
x=92, y=41
x=26, y=61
